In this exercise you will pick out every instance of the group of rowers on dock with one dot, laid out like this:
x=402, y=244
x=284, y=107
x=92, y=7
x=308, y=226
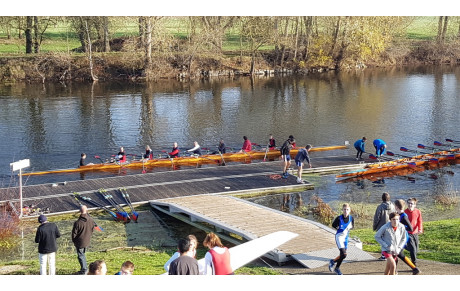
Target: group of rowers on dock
x=301, y=157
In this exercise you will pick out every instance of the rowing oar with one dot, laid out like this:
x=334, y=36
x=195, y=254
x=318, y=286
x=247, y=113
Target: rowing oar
x=98, y=157
x=404, y=149
x=89, y=200
x=96, y=227
x=124, y=193
x=266, y=151
x=121, y=214
x=450, y=157
x=398, y=155
x=373, y=157
x=170, y=158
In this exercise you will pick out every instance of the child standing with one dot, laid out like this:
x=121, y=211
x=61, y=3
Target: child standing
x=343, y=223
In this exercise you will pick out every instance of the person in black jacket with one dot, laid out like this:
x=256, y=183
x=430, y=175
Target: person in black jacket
x=81, y=237
x=46, y=236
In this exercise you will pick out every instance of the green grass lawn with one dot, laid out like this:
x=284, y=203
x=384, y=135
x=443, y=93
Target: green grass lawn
x=440, y=242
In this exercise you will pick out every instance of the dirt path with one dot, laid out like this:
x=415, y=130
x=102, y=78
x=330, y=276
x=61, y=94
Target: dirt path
x=370, y=268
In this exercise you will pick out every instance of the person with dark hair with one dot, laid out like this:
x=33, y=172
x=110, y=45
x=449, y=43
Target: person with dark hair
x=81, y=237
x=400, y=205
x=285, y=154
x=415, y=218
x=193, y=246
x=247, y=146
x=217, y=259
x=175, y=151
x=392, y=238
x=186, y=264
x=359, y=146
x=382, y=214
x=46, y=236
x=127, y=268
x=221, y=147
x=380, y=147
x=343, y=223
x=302, y=155
x=97, y=268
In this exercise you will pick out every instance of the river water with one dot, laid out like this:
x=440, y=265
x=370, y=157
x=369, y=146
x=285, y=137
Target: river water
x=52, y=124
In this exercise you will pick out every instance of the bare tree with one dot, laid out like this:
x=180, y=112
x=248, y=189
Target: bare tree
x=28, y=33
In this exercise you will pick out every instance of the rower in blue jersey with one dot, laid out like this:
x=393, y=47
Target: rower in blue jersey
x=359, y=146
x=343, y=223
x=380, y=147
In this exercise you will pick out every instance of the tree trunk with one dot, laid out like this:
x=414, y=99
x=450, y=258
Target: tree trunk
x=296, y=42
x=444, y=29
x=81, y=35
x=308, y=31
x=90, y=56
x=335, y=36
x=28, y=33
x=36, y=33
x=283, y=46
x=438, y=37
x=148, y=44
x=106, y=34
x=142, y=30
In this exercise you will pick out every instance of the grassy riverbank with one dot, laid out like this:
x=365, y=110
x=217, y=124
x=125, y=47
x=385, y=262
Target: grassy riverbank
x=440, y=241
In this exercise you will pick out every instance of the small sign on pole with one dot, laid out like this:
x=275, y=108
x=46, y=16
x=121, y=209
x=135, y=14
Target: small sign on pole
x=19, y=165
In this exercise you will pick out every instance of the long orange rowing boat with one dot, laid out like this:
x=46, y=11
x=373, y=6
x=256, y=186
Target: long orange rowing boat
x=186, y=161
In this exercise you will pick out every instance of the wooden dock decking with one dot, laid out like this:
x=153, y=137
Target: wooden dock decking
x=314, y=246
x=231, y=179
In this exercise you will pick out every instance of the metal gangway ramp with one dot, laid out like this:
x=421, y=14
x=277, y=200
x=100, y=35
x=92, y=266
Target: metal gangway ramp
x=314, y=246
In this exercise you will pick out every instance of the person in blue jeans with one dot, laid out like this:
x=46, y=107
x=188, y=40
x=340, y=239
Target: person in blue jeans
x=380, y=147
x=343, y=223
x=359, y=146
x=81, y=237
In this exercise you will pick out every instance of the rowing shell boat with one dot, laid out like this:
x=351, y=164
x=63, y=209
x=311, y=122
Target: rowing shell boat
x=403, y=163
x=185, y=161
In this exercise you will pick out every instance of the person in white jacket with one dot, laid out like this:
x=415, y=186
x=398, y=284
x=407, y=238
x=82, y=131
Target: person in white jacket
x=392, y=237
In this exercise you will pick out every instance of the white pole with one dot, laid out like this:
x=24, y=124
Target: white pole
x=20, y=193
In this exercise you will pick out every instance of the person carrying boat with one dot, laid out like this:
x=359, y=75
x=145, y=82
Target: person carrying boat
x=392, y=238
x=359, y=146
x=196, y=150
x=175, y=151
x=343, y=223
x=148, y=153
x=285, y=154
x=302, y=155
x=217, y=259
x=121, y=156
x=247, y=146
x=380, y=147
x=271, y=142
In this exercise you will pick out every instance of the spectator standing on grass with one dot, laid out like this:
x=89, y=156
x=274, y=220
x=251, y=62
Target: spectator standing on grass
x=382, y=214
x=415, y=218
x=392, y=238
x=185, y=264
x=217, y=259
x=193, y=246
x=46, y=236
x=81, y=237
x=404, y=220
x=343, y=223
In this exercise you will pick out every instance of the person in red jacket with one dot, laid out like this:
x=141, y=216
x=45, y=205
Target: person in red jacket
x=415, y=218
x=247, y=147
x=217, y=259
x=175, y=151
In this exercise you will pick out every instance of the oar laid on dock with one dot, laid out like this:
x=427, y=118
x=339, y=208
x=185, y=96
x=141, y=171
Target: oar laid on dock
x=124, y=193
x=89, y=200
x=121, y=213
